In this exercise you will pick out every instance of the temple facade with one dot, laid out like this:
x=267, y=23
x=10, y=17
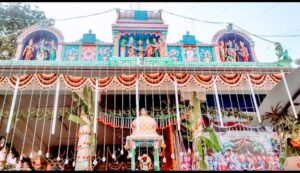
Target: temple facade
x=189, y=92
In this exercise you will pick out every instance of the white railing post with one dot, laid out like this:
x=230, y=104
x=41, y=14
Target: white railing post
x=218, y=102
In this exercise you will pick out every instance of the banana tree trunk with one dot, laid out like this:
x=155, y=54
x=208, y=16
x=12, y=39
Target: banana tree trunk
x=197, y=128
x=84, y=149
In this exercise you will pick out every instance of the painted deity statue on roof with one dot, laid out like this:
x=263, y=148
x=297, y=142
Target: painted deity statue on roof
x=28, y=51
x=243, y=52
x=42, y=51
x=52, y=51
x=123, y=48
x=161, y=47
x=231, y=52
x=131, y=47
x=149, y=49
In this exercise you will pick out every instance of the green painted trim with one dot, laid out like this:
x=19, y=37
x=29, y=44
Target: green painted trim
x=148, y=62
x=133, y=159
x=156, y=160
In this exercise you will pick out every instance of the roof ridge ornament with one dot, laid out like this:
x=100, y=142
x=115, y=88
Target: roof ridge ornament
x=229, y=27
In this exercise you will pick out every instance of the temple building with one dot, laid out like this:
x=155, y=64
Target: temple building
x=140, y=102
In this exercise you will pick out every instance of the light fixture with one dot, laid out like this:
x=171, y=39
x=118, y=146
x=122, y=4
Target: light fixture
x=103, y=159
x=40, y=152
x=95, y=162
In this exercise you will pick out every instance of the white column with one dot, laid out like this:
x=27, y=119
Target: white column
x=137, y=103
x=55, y=106
x=218, y=102
x=177, y=102
x=96, y=107
x=254, y=98
x=289, y=94
x=12, y=107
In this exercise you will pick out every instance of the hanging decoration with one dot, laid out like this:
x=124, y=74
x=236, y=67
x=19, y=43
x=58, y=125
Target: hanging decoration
x=151, y=80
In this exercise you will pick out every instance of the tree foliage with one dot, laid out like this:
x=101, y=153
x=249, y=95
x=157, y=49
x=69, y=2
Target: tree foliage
x=14, y=17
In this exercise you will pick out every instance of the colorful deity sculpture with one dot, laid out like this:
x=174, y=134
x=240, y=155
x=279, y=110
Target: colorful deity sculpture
x=140, y=48
x=145, y=163
x=149, y=49
x=156, y=48
x=282, y=54
x=42, y=52
x=231, y=52
x=243, y=52
x=123, y=48
x=52, y=51
x=222, y=51
x=161, y=47
x=131, y=47
x=206, y=56
x=190, y=54
x=28, y=51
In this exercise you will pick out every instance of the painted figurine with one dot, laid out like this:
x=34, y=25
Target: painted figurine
x=52, y=51
x=28, y=51
x=206, y=56
x=131, y=47
x=162, y=47
x=42, y=54
x=123, y=48
x=231, y=53
x=190, y=53
x=145, y=163
x=149, y=49
x=156, y=45
x=222, y=51
x=282, y=54
x=140, y=48
x=243, y=52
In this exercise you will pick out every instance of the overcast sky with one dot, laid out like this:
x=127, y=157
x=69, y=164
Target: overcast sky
x=256, y=18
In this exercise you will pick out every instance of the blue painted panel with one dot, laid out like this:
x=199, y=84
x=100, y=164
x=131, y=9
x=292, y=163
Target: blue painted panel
x=71, y=52
x=206, y=54
x=175, y=52
x=140, y=15
x=189, y=39
x=104, y=52
x=89, y=39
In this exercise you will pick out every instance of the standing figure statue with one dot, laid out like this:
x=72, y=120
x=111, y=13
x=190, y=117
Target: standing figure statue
x=162, y=47
x=243, y=52
x=52, y=51
x=222, y=51
x=231, y=53
x=140, y=48
x=42, y=53
x=156, y=48
x=149, y=49
x=131, y=47
x=123, y=47
x=28, y=51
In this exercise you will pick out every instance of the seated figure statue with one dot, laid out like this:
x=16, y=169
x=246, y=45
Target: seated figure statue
x=145, y=163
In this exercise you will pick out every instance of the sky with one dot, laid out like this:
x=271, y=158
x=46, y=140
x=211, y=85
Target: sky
x=256, y=18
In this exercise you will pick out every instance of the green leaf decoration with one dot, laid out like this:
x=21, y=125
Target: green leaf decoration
x=74, y=118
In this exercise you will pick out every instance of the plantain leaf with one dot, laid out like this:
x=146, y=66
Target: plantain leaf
x=76, y=119
x=93, y=141
x=214, y=139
